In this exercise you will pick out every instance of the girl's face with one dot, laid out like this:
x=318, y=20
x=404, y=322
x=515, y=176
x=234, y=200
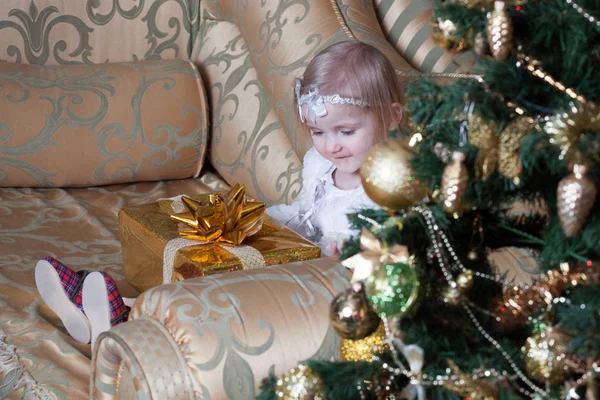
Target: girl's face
x=343, y=136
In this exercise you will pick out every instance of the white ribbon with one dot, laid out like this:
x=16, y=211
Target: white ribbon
x=248, y=255
x=415, y=356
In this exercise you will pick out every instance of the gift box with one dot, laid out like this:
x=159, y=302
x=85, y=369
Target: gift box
x=149, y=232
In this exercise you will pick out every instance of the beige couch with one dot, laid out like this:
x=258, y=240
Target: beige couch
x=80, y=139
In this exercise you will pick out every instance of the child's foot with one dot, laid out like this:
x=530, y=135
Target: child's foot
x=60, y=287
x=103, y=304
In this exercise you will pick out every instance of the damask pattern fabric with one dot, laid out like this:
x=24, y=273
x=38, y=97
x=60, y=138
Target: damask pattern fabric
x=87, y=125
x=248, y=144
x=47, y=32
x=406, y=26
x=79, y=227
x=249, y=56
x=229, y=337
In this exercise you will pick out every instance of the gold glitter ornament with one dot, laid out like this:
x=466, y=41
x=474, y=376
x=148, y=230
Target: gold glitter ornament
x=350, y=314
x=364, y=349
x=444, y=33
x=545, y=356
x=464, y=281
x=567, y=128
x=465, y=386
x=454, y=183
x=451, y=295
x=300, y=383
x=500, y=32
x=576, y=195
x=387, y=176
x=496, y=150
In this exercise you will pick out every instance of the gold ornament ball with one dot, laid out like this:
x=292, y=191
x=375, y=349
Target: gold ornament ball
x=350, y=314
x=545, y=357
x=576, y=195
x=300, y=383
x=388, y=178
x=451, y=295
x=465, y=281
x=364, y=349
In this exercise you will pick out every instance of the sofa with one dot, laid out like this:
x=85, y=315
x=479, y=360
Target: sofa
x=105, y=104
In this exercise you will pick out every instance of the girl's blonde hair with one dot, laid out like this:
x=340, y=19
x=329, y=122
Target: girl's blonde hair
x=358, y=70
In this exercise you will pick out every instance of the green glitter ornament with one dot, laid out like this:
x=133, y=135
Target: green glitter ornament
x=393, y=289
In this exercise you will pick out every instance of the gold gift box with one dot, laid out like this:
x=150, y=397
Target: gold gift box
x=145, y=230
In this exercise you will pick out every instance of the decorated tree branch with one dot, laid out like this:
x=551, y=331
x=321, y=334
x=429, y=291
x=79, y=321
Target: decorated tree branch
x=506, y=158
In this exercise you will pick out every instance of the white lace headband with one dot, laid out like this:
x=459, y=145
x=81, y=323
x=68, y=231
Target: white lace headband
x=315, y=102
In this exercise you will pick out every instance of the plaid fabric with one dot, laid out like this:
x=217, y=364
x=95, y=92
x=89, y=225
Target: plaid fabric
x=69, y=280
x=117, y=307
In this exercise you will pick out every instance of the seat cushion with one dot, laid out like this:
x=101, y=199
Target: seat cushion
x=88, y=125
x=79, y=227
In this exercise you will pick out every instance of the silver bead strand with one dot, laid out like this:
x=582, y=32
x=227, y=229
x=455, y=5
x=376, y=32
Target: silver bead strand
x=581, y=11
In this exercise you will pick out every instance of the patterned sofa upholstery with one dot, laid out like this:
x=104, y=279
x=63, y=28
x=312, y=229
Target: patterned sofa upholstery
x=214, y=337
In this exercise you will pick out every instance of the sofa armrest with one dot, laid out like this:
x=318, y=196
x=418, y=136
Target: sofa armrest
x=139, y=360
x=221, y=334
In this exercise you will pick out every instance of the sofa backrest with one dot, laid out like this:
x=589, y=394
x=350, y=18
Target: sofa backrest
x=249, y=54
x=47, y=32
x=405, y=24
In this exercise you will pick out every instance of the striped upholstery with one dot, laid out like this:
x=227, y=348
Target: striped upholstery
x=406, y=25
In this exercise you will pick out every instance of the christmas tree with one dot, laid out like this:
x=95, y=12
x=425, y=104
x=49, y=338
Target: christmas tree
x=508, y=157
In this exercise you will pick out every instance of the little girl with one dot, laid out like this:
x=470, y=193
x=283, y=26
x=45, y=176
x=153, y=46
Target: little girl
x=349, y=98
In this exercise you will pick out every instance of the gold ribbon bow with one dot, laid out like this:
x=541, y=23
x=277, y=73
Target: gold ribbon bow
x=499, y=151
x=466, y=386
x=226, y=218
x=373, y=254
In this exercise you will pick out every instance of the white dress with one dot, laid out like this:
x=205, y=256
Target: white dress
x=320, y=213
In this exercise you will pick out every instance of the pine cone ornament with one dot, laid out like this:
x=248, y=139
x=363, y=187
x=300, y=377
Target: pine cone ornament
x=576, y=195
x=500, y=32
x=454, y=183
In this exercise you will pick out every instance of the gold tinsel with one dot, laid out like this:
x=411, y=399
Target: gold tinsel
x=517, y=305
x=465, y=386
x=545, y=356
x=566, y=129
x=364, y=349
x=498, y=151
x=300, y=383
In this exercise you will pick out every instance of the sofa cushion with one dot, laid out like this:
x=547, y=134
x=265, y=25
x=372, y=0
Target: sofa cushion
x=87, y=125
x=47, y=32
x=79, y=227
